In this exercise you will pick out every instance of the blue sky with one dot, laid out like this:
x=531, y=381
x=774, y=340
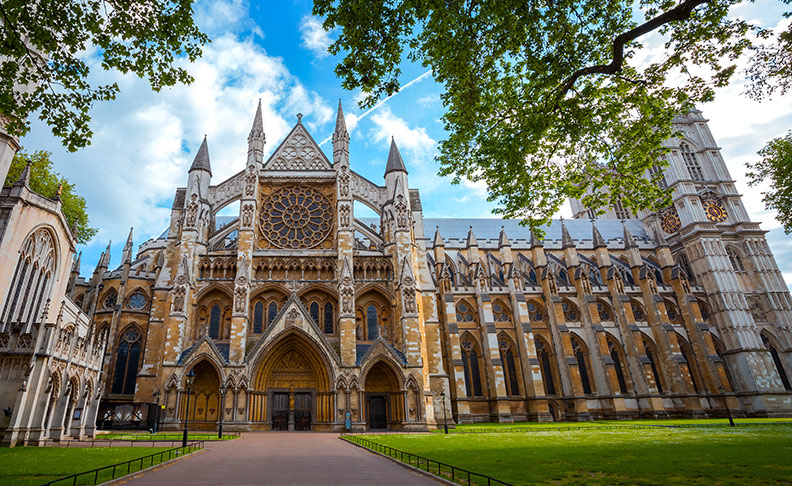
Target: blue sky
x=144, y=142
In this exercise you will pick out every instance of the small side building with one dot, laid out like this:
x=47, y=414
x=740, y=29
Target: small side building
x=50, y=355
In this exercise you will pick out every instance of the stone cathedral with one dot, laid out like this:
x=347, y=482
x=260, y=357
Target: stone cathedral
x=296, y=314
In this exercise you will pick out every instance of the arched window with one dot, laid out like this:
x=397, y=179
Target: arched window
x=547, y=369
x=258, y=318
x=580, y=355
x=691, y=162
x=272, y=313
x=650, y=356
x=571, y=313
x=684, y=264
x=673, y=312
x=464, y=312
x=638, y=311
x=616, y=354
x=535, y=311
x=604, y=311
x=126, y=365
x=777, y=361
x=329, y=318
x=500, y=312
x=470, y=362
x=30, y=283
x=372, y=323
x=111, y=297
x=214, y=322
x=509, y=367
x=687, y=355
x=315, y=312
x=735, y=260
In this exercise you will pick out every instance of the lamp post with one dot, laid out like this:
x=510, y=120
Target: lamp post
x=156, y=395
x=190, y=378
x=726, y=404
x=445, y=417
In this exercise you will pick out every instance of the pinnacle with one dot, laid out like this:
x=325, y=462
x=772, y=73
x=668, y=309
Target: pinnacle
x=395, y=162
x=201, y=161
x=24, y=177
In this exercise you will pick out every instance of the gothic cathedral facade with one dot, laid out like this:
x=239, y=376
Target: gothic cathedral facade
x=295, y=314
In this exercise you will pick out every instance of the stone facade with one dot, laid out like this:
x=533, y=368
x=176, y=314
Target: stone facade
x=296, y=314
x=50, y=353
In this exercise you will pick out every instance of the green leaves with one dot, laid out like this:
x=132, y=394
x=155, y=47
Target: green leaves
x=545, y=100
x=776, y=168
x=45, y=181
x=43, y=48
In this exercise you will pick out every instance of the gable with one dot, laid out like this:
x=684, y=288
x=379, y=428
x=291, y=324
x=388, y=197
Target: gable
x=298, y=151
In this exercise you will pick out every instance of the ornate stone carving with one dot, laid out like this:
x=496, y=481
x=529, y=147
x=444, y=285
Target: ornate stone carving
x=247, y=215
x=298, y=152
x=296, y=217
x=250, y=180
x=343, y=213
x=401, y=212
x=191, y=213
x=293, y=318
x=343, y=181
x=585, y=283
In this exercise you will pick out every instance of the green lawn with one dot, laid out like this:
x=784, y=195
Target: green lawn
x=162, y=436
x=616, y=423
x=707, y=456
x=38, y=465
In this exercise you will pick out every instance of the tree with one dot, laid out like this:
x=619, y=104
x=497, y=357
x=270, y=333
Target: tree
x=548, y=100
x=45, y=48
x=776, y=166
x=46, y=182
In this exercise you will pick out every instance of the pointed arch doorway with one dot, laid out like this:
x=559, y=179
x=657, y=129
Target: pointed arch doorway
x=292, y=389
x=384, y=397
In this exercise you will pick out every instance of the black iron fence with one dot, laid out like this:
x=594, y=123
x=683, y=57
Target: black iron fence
x=504, y=430
x=441, y=469
x=108, y=473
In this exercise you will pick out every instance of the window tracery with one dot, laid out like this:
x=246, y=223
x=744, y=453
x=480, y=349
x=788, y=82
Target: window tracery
x=464, y=313
x=500, y=312
x=571, y=313
x=535, y=311
x=127, y=359
x=137, y=301
x=470, y=363
x=296, y=217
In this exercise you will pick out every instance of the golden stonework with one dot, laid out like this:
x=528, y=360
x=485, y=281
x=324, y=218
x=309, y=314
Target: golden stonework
x=295, y=217
x=715, y=211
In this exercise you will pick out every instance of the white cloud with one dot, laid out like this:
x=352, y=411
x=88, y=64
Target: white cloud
x=144, y=142
x=314, y=37
x=416, y=140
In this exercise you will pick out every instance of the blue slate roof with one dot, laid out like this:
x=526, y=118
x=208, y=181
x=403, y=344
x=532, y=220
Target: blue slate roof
x=223, y=348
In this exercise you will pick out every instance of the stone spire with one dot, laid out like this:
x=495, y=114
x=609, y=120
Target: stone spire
x=629, y=241
x=105, y=262
x=201, y=161
x=340, y=126
x=503, y=240
x=599, y=241
x=659, y=237
x=395, y=162
x=24, y=177
x=127, y=255
x=566, y=239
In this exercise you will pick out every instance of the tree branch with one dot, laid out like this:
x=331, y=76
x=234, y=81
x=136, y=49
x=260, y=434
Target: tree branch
x=680, y=12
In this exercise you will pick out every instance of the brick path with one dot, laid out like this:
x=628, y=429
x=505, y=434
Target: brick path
x=281, y=458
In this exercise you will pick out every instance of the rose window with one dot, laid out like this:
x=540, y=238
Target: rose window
x=296, y=217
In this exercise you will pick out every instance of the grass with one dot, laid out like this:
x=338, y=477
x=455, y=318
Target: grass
x=162, y=436
x=38, y=465
x=616, y=423
x=706, y=456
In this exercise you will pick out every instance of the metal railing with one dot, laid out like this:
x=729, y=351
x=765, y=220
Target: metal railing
x=441, y=469
x=508, y=430
x=108, y=473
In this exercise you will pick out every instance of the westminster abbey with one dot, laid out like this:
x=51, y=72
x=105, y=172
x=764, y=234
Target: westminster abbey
x=295, y=314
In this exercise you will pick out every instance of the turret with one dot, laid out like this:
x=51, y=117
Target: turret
x=600, y=246
x=633, y=254
x=200, y=173
x=568, y=245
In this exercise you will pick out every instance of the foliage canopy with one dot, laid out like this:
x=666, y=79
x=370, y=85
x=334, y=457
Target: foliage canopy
x=776, y=167
x=45, y=47
x=551, y=100
x=45, y=181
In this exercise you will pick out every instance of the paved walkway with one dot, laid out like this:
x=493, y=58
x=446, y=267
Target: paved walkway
x=282, y=458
